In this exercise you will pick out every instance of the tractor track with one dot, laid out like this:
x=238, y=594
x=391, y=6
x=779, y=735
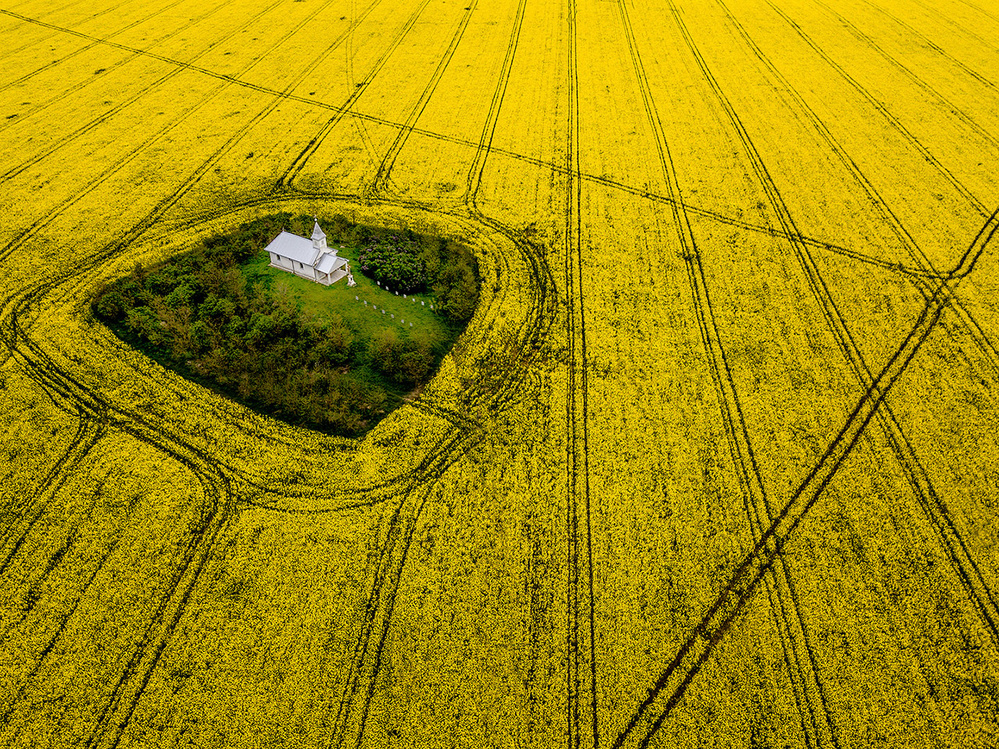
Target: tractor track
x=126, y=694
x=817, y=725
x=473, y=180
x=55, y=63
x=672, y=683
x=947, y=104
x=215, y=483
x=935, y=47
x=387, y=567
x=88, y=434
x=881, y=109
x=953, y=24
x=15, y=50
x=820, y=291
x=216, y=488
x=933, y=506
x=354, y=704
x=62, y=95
x=52, y=562
x=924, y=266
x=581, y=672
x=67, y=139
x=980, y=9
x=289, y=175
x=158, y=634
x=31, y=231
x=383, y=175
x=556, y=168
x=59, y=632
x=219, y=481
x=488, y=396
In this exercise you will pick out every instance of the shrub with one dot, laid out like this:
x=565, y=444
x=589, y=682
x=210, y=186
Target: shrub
x=143, y=323
x=395, y=263
x=111, y=306
x=415, y=363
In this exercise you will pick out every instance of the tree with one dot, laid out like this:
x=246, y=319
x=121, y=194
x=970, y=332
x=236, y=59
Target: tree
x=383, y=351
x=142, y=322
x=415, y=362
x=111, y=306
x=396, y=263
x=260, y=331
x=202, y=337
x=333, y=344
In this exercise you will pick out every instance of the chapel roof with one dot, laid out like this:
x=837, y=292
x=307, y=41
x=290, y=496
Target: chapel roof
x=294, y=247
x=330, y=262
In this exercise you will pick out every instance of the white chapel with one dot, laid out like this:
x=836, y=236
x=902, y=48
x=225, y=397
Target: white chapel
x=308, y=258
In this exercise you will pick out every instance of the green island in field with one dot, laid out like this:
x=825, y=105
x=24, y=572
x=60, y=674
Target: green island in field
x=331, y=357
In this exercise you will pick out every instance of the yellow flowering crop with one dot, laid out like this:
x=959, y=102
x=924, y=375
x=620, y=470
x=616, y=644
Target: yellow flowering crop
x=715, y=462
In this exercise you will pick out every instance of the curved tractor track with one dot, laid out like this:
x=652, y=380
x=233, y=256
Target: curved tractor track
x=708, y=462
x=227, y=489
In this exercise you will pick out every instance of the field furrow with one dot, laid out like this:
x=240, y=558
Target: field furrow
x=712, y=463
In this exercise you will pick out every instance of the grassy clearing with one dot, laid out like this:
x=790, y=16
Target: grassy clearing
x=319, y=300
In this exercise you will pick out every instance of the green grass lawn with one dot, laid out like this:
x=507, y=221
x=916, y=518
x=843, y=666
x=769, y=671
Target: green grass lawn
x=366, y=320
x=349, y=301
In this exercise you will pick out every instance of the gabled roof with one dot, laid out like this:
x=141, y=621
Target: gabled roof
x=294, y=247
x=329, y=262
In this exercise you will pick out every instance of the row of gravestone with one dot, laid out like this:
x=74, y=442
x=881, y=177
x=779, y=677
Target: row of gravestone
x=375, y=306
x=412, y=298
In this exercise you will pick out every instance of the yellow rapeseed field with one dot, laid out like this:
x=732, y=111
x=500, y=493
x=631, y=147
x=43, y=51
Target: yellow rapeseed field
x=715, y=463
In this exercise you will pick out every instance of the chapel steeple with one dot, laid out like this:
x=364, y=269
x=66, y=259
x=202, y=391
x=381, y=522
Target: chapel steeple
x=318, y=237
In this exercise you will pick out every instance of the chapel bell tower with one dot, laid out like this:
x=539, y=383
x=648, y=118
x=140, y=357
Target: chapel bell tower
x=318, y=237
